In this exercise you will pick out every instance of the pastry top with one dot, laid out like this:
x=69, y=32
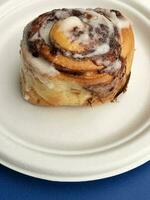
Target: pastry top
x=89, y=34
x=79, y=41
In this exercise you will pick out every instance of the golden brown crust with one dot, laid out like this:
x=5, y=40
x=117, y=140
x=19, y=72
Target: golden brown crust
x=127, y=47
x=33, y=97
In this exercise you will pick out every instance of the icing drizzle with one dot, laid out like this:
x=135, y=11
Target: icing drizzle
x=95, y=29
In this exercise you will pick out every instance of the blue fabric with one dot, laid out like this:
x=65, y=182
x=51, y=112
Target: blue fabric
x=133, y=185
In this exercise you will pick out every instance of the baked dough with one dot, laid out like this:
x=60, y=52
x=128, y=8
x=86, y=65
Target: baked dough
x=73, y=57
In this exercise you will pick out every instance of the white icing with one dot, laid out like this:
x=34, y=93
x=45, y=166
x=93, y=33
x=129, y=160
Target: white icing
x=60, y=14
x=119, y=22
x=100, y=19
x=44, y=31
x=84, y=38
x=123, y=23
x=44, y=66
x=102, y=49
x=69, y=23
x=39, y=64
x=116, y=65
x=35, y=36
x=111, y=66
x=99, y=61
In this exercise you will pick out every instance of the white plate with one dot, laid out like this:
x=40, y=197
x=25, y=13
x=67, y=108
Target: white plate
x=73, y=144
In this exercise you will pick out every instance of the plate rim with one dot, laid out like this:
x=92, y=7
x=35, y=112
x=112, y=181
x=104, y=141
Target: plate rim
x=144, y=157
x=49, y=177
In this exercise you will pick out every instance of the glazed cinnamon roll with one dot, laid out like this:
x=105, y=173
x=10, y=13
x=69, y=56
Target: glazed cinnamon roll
x=76, y=57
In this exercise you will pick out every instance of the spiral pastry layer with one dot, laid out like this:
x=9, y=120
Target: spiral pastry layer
x=76, y=57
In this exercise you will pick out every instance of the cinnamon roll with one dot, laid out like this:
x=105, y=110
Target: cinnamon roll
x=76, y=57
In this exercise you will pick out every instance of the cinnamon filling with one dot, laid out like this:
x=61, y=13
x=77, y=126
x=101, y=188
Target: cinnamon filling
x=93, y=35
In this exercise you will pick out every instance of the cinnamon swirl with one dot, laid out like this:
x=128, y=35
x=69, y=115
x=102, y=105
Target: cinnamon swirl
x=76, y=57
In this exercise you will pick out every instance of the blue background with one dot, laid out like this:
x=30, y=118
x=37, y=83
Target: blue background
x=133, y=185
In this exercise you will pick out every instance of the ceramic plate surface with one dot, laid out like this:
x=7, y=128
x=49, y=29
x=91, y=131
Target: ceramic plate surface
x=73, y=143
